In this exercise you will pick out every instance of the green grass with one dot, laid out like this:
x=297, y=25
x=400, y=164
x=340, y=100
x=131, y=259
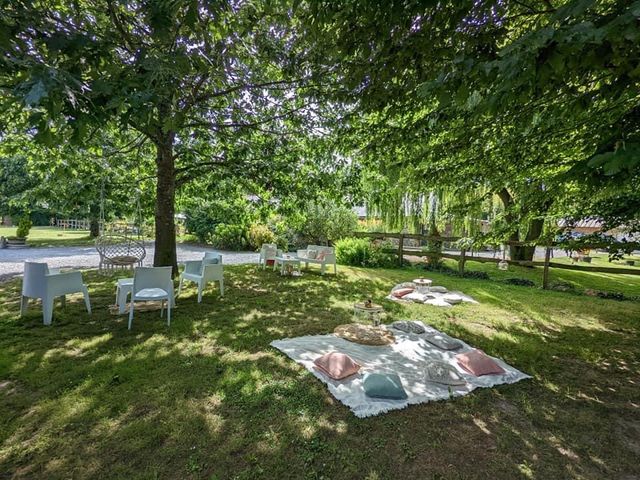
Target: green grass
x=629, y=285
x=52, y=237
x=209, y=398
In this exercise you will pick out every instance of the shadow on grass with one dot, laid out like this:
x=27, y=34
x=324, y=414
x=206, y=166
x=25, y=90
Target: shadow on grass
x=208, y=397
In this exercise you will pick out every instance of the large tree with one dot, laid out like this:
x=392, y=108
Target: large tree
x=199, y=80
x=514, y=99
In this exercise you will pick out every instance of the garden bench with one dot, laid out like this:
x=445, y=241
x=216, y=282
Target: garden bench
x=319, y=255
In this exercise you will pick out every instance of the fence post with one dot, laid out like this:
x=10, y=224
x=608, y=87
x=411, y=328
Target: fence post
x=545, y=273
x=401, y=249
x=461, y=261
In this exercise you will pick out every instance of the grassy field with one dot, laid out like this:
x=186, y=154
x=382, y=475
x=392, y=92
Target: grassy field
x=209, y=398
x=52, y=237
x=628, y=285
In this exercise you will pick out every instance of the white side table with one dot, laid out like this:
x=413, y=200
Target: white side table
x=283, y=261
x=423, y=285
x=123, y=289
x=371, y=313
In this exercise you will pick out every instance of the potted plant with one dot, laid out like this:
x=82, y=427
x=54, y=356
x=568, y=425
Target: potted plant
x=20, y=239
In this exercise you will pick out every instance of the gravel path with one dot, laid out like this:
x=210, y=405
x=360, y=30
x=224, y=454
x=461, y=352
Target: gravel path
x=11, y=260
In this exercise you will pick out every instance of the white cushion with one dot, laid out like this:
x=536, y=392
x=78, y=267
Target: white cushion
x=438, y=289
x=452, y=298
x=416, y=297
x=151, y=293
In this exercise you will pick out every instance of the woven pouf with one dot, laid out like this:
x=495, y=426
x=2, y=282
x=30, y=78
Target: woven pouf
x=364, y=334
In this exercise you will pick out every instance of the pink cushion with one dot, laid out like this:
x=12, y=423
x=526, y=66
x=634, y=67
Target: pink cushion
x=401, y=292
x=478, y=363
x=320, y=256
x=336, y=365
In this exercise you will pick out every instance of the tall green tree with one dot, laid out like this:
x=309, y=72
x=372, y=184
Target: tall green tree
x=200, y=80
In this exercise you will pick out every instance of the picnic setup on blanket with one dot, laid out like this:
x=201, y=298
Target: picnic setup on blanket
x=397, y=365
x=422, y=291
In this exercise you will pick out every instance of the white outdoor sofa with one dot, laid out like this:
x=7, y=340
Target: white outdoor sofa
x=320, y=255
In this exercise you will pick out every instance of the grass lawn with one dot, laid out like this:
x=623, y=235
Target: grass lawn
x=209, y=398
x=629, y=285
x=52, y=237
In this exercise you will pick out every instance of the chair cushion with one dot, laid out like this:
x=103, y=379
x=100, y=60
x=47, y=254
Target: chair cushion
x=336, y=365
x=151, y=293
x=384, y=385
x=312, y=254
x=320, y=256
x=440, y=372
x=478, y=363
x=401, y=292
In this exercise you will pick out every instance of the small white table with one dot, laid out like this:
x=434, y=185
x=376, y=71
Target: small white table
x=285, y=260
x=371, y=313
x=123, y=289
x=423, y=285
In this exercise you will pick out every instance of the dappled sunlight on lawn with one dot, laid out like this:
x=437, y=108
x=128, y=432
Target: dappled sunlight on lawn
x=208, y=396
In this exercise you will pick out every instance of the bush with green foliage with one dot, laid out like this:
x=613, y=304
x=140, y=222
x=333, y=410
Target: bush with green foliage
x=24, y=226
x=323, y=222
x=229, y=237
x=523, y=282
x=361, y=252
x=204, y=217
x=259, y=234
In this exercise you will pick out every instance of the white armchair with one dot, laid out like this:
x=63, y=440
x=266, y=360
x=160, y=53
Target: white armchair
x=209, y=269
x=268, y=252
x=152, y=284
x=41, y=282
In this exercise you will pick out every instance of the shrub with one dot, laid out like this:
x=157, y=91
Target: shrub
x=360, y=252
x=229, y=237
x=24, y=225
x=474, y=274
x=259, y=234
x=323, y=222
x=562, y=286
x=523, y=282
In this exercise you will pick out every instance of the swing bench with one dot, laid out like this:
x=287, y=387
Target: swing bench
x=119, y=251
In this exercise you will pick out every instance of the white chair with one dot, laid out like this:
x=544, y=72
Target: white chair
x=268, y=251
x=152, y=284
x=41, y=282
x=202, y=272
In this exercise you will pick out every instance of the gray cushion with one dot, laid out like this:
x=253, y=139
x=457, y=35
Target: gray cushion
x=408, y=326
x=440, y=372
x=384, y=385
x=442, y=341
x=312, y=254
x=438, y=289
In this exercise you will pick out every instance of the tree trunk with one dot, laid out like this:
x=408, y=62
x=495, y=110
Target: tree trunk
x=94, y=227
x=165, y=244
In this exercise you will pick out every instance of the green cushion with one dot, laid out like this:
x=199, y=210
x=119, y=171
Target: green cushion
x=384, y=385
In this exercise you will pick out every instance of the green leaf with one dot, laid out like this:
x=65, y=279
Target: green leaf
x=35, y=94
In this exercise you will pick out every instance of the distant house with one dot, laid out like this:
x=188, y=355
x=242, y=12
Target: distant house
x=587, y=226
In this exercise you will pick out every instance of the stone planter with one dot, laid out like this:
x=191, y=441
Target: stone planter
x=631, y=263
x=16, y=242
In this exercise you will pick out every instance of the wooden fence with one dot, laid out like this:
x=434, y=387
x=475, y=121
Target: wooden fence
x=467, y=255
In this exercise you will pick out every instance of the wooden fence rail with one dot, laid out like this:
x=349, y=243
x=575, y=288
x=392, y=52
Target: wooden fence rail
x=463, y=257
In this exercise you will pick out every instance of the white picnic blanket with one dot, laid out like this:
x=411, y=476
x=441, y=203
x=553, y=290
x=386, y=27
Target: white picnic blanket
x=406, y=357
x=437, y=298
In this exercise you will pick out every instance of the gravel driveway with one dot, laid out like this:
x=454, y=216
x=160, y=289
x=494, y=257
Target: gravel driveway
x=11, y=260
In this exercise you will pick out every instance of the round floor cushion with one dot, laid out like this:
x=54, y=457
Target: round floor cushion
x=452, y=298
x=364, y=334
